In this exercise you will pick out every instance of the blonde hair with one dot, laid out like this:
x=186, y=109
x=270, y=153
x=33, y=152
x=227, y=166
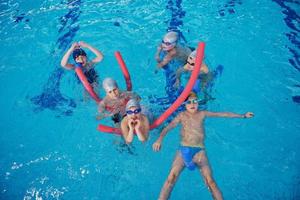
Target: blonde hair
x=192, y=94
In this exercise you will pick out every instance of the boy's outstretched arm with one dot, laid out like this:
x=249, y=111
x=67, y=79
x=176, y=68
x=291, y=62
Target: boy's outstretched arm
x=157, y=144
x=228, y=114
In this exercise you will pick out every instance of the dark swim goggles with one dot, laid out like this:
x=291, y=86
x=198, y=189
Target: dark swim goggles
x=167, y=43
x=136, y=111
x=192, y=64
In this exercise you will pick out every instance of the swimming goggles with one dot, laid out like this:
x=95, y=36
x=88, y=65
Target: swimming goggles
x=194, y=101
x=192, y=64
x=136, y=111
x=167, y=43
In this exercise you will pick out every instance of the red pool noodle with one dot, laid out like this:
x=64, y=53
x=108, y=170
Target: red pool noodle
x=124, y=70
x=108, y=129
x=179, y=100
x=86, y=84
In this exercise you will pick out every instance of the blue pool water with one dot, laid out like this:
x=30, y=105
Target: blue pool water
x=50, y=148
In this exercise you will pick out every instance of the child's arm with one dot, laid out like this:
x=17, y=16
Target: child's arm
x=157, y=145
x=64, y=61
x=102, y=112
x=157, y=54
x=228, y=114
x=142, y=129
x=99, y=55
x=204, y=68
x=178, y=75
x=170, y=55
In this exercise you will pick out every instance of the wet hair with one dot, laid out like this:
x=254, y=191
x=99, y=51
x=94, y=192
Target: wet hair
x=192, y=94
x=78, y=52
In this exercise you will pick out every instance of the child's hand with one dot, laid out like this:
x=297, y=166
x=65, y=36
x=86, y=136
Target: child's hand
x=249, y=115
x=83, y=44
x=131, y=124
x=137, y=124
x=156, y=146
x=75, y=45
x=177, y=83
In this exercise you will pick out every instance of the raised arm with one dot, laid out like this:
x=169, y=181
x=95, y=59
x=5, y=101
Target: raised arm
x=64, y=61
x=157, y=145
x=228, y=114
x=99, y=55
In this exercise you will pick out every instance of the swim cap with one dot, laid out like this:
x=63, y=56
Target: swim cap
x=193, y=54
x=109, y=84
x=132, y=103
x=78, y=52
x=171, y=37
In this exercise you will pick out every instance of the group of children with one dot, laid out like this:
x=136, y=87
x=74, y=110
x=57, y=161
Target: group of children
x=126, y=112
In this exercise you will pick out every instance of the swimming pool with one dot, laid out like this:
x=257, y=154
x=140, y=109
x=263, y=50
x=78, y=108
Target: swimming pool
x=50, y=148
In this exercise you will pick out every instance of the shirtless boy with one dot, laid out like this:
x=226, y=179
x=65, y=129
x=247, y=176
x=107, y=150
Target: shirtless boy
x=191, y=153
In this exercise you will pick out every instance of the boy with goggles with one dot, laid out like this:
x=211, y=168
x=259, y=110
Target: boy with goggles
x=134, y=122
x=191, y=153
x=204, y=77
x=169, y=49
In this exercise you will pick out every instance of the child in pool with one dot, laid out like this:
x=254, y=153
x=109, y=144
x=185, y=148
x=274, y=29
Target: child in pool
x=80, y=58
x=134, y=121
x=204, y=74
x=191, y=153
x=171, y=50
x=114, y=103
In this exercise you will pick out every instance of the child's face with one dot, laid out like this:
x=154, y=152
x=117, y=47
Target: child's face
x=167, y=46
x=190, y=64
x=81, y=59
x=192, y=105
x=113, y=94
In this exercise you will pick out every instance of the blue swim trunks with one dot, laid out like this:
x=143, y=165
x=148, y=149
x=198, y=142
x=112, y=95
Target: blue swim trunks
x=187, y=154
